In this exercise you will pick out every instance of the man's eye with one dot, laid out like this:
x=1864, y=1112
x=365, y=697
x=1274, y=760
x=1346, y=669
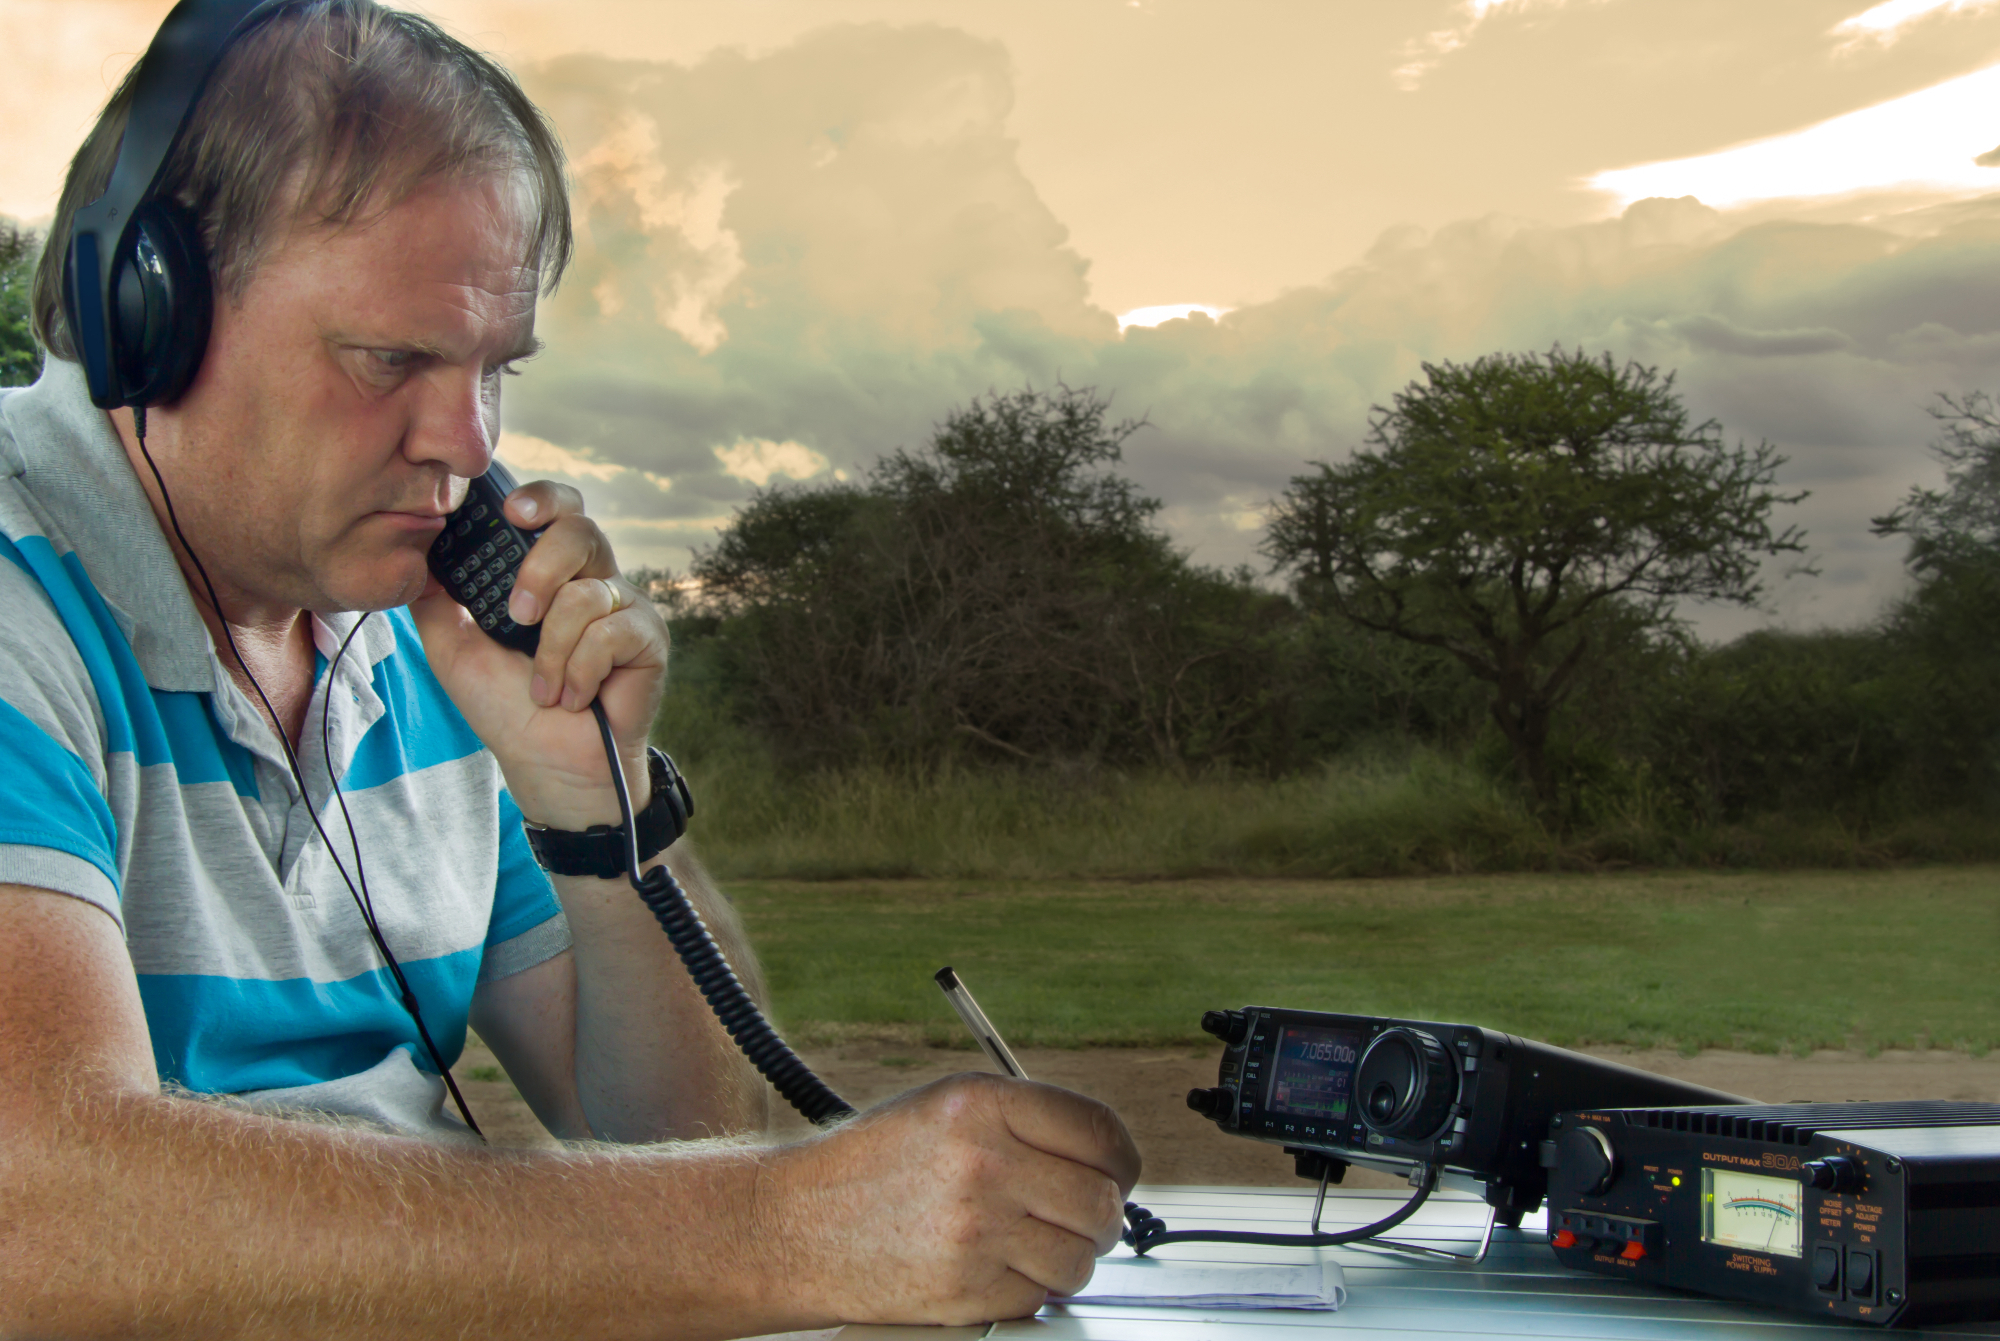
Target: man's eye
x=390, y=360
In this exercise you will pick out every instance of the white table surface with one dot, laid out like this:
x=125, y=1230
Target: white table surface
x=1519, y=1291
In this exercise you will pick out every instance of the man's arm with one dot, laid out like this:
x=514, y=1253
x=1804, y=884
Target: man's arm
x=612, y=1039
x=126, y=1211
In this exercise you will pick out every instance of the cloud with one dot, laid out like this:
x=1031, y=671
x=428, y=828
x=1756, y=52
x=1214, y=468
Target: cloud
x=896, y=262
x=523, y=452
x=1422, y=55
x=1718, y=334
x=1153, y=316
x=1932, y=141
x=1886, y=22
x=757, y=461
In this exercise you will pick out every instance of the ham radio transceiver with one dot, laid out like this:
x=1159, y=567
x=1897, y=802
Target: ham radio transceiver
x=1398, y=1095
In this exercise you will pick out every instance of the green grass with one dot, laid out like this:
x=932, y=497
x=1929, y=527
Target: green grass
x=1755, y=960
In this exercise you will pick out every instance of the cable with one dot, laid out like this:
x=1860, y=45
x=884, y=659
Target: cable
x=362, y=903
x=719, y=985
x=367, y=901
x=1146, y=1231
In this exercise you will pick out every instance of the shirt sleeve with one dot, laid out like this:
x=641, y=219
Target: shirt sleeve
x=57, y=831
x=528, y=926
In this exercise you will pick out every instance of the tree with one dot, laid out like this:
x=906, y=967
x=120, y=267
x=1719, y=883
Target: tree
x=20, y=356
x=1960, y=523
x=1001, y=589
x=1506, y=510
x=1951, y=622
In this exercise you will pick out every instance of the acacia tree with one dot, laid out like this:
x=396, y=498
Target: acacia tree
x=1000, y=591
x=1960, y=523
x=1950, y=621
x=1506, y=510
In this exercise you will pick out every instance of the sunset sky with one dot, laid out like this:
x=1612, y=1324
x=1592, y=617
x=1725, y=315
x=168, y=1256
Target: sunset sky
x=809, y=229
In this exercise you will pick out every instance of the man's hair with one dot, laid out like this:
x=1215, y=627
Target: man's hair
x=326, y=111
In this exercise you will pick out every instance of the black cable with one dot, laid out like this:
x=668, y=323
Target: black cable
x=719, y=985
x=361, y=873
x=363, y=904
x=1146, y=1231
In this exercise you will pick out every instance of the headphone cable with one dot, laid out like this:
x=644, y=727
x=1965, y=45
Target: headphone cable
x=363, y=904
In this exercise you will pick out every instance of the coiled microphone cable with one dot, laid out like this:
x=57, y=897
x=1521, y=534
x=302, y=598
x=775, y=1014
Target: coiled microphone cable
x=709, y=968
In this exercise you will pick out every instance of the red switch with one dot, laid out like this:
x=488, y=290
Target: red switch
x=1564, y=1238
x=1633, y=1251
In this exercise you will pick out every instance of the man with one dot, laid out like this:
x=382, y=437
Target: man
x=381, y=208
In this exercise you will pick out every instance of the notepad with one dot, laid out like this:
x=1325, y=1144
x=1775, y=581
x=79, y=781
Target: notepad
x=1152, y=1281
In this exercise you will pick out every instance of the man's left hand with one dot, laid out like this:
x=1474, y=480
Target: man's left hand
x=601, y=638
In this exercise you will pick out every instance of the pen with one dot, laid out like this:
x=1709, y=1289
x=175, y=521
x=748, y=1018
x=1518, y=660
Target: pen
x=975, y=1019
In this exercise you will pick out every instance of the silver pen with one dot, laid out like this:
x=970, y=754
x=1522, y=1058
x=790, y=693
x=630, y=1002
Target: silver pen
x=975, y=1019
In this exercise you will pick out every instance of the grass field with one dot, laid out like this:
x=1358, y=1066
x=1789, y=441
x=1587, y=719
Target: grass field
x=1759, y=960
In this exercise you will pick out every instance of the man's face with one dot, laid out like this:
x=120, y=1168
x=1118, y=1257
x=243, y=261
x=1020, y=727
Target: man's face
x=344, y=401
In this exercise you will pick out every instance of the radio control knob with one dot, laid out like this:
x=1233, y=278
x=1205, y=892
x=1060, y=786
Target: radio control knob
x=1231, y=1026
x=1214, y=1103
x=1405, y=1083
x=1834, y=1173
x=1585, y=1154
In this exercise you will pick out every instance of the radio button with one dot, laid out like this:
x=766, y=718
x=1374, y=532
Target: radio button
x=1826, y=1268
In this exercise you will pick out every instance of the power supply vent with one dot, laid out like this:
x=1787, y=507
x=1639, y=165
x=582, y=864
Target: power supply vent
x=1796, y=1124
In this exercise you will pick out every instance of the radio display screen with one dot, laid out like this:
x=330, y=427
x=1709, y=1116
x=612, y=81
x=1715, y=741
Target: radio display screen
x=1314, y=1074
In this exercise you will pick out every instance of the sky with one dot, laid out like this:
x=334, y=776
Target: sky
x=810, y=228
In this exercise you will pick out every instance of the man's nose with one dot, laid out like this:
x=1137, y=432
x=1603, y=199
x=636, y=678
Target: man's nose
x=453, y=425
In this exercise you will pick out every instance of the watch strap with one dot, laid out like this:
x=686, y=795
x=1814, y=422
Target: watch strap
x=601, y=850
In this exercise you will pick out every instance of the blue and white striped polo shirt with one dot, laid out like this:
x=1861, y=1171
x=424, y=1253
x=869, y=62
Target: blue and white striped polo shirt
x=136, y=776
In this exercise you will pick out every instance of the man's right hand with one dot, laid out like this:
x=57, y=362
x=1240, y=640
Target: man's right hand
x=971, y=1199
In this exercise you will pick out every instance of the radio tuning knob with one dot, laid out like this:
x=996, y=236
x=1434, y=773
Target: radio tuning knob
x=1585, y=1153
x=1406, y=1084
x=1834, y=1173
x=1214, y=1103
x=1231, y=1026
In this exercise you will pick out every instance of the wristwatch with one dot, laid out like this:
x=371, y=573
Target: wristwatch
x=601, y=850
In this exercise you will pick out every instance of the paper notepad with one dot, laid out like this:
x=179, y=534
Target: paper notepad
x=1150, y=1281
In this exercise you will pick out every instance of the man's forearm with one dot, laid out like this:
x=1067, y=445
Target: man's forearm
x=652, y=1061
x=124, y=1213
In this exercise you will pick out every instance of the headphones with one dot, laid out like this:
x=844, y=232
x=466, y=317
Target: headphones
x=136, y=293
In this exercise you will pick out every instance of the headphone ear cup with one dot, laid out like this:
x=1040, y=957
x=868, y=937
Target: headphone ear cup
x=163, y=303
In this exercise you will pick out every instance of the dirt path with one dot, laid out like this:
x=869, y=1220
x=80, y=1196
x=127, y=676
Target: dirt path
x=1148, y=1087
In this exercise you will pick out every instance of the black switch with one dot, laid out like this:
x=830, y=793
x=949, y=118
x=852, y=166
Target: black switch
x=1826, y=1268
x=1860, y=1274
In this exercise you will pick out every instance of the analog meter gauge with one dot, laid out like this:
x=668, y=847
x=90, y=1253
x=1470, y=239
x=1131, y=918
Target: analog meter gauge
x=1751, y=1210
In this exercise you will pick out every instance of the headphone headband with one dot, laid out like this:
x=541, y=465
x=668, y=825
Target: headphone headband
x=170, y=80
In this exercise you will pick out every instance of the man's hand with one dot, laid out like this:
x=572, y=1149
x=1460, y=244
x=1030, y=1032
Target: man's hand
x=970, y=1199
x=600, y=639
